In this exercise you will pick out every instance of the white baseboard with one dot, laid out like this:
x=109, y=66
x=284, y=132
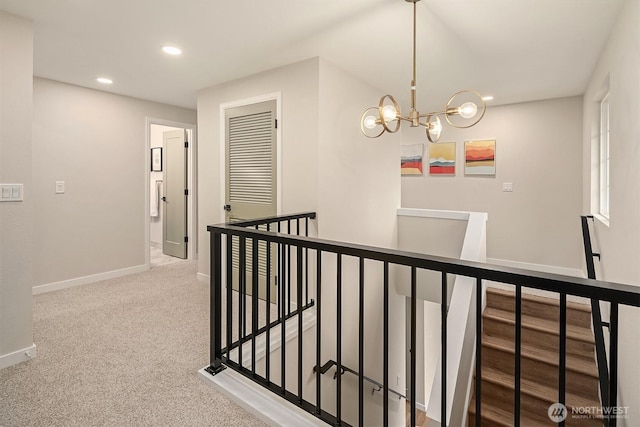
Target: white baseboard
x=78, y=281
x=573, y=272
x=203, y=277
x=264, y=404
x=19, y=356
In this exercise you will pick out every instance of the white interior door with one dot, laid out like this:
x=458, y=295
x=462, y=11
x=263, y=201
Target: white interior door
x=251, y=184
x=174, y=214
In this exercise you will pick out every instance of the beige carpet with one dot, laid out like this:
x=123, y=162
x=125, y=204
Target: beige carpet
x=123, y=352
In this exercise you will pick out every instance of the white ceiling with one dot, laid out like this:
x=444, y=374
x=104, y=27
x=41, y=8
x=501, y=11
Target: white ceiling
x=516, y=50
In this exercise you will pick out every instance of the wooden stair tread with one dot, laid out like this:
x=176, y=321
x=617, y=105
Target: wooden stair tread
x=571, y=305
x=500, y=416
x=573, y=363
x=533, y=389
x=536, y=323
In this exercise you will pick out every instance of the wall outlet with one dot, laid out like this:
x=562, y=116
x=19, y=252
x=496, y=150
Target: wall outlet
x=59, y=187
x=507, y=187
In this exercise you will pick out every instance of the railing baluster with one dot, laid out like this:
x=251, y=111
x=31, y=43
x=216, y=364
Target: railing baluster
x=283, y=329
x=279, y=281
x=254, y=301
x=242, y=273
x=478, y=351
x=412, y=346
x=562, y=357
x=361, y=344
x=443, y=319
x=518, y=348
x=306, y=263
x=385, y=356
x=339, y=338
x=299, y=303
x=215, y=331
x=267, y=354
x=613, y=361
x=229, y=294
x=318, y=329
x=288, y=270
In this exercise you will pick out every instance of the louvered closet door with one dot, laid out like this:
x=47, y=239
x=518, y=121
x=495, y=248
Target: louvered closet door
x=251, y=178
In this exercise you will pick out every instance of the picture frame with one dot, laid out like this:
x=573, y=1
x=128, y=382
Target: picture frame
x=156, y=159
x=480, y=158
x=442, y=159
x=411, y=159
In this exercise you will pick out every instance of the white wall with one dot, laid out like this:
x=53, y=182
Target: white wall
x=16, y=218
x=538, y=149
x=298, y=88
x=156, y=140
x=358, y=197
x=619, y=242
x=95, y=142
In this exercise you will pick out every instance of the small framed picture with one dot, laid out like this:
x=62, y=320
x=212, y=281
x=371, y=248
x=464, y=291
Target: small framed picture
x=156, y=159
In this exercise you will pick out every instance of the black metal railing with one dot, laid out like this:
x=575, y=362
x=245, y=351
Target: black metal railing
x=333, y=256
x=608, y=391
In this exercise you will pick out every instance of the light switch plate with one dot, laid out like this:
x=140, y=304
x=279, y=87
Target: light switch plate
x=507, y=187
x=11, y=192
x=59, y=187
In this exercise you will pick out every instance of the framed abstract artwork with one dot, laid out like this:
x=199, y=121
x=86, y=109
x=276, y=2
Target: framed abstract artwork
x=442, y=158
x=480, y=158
x=411, y=159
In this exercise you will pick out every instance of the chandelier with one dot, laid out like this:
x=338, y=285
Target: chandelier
x=463, y=110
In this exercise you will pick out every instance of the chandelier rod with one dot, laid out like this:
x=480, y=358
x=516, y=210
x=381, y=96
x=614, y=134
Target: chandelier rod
x=413, y=82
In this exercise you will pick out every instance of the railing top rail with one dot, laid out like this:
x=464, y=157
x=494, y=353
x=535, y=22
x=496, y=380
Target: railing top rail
x=274, y=219
x=587, y=288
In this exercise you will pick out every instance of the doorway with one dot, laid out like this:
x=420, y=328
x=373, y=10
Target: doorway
x=182, y=140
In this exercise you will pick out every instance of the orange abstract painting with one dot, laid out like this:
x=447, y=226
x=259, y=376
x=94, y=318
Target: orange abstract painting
x=480, y=158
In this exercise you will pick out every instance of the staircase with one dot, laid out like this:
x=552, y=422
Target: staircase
x=539, y=363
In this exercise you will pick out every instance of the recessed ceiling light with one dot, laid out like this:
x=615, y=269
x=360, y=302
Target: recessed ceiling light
x=104, y=80
x=171, y=50
x=487, y=98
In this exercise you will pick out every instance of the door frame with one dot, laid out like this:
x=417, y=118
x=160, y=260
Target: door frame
x=192, y=200
x=277, y=96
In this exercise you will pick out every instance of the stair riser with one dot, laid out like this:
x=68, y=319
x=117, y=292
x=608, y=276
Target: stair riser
x=484, y=421
x=531, y=407
x=539, y=309
x=541, y=339
x=543, y=373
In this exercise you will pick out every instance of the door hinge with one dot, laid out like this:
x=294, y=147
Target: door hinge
x=186, y=192
x=186, y=239
x=186, y=144
x=276, y=120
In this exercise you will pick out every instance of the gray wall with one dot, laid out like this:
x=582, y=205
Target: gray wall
x=16, y=218
x=95, y=142
x=538, y=149
x=619, y=242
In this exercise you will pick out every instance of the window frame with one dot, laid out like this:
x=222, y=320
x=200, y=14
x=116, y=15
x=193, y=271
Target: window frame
x=604, y=168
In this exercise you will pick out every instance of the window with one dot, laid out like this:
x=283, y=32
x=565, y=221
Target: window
x=604, y=157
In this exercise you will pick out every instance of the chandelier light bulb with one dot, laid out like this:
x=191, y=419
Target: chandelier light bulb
x=468, y=110
x=369, y=122
x=436, y=128
x=389, y=113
